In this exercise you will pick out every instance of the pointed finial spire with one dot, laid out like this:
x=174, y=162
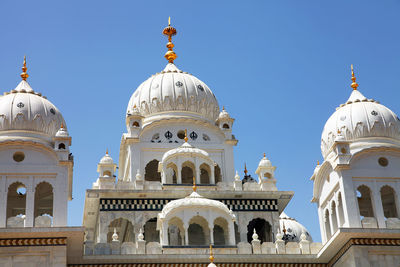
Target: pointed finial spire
x=354, y=85
x=194, y=184
x=24, y=74
x=245, y=169
x=211, y=254
x=107, y=151
x=284, y=228
x=317, y=162
x=186, y=138
x=170, y=31
x=62, y=125
x=264, y=154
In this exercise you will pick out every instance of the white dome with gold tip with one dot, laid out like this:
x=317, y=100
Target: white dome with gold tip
x=23, y=109
x=106, y=159
x=359, y=118
x=293, y=229
x=173, y=91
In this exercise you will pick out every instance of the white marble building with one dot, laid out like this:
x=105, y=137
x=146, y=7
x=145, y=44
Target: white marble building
x=177, y=191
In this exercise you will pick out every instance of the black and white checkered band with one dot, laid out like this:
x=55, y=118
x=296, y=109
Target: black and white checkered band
x=142, y=204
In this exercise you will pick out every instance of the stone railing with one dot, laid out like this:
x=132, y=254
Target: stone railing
x=140, y=247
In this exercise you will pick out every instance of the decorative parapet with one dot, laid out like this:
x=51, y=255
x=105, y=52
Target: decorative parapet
x=242, y=248
x=17, y=242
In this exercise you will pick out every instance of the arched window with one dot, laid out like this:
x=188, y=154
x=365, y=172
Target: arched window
x=124, y=229
x=267, y=175
x=43, y=211
x=171, y=173
x=364, y=201
x=176, y=232
x=220, y=231
x=204, y=174
x=334, y=218
x=217, y=174
x=61, y=146
x=263, y=229
x=198, y=232
x=151, y=171
x=340, y=209
x=388, y=202
x=187, y=172
x=16, y=205
x=135, y=124
x=107, y=173
x=328, y=231
x=225, y=126
x=151, y=234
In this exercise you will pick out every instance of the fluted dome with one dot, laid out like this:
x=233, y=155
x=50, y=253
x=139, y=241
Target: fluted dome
x=194, y=200
x=293, y=228
x=359, y=118
x=185, y=149
x=174, y=92
x=264, y=162
x=62, y=132
x=106, y=159
x=25, y=110
x=224, y=115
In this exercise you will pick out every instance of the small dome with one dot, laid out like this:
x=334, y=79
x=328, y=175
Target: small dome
x=264, y=162
x=24, y=109
x=174, y=92
x=293, y=228
x=224, y=115
x=62, y=132
x=358, y=118
x=185, y=148
x=106, y=159
x=192, y=201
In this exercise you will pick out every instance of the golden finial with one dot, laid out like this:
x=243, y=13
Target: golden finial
x=284, y=228
x=194, y=184
x=245, y=169
x=24, y=75
x=186, y=138
x=264, y=154
x=317, y=162
x=211, y=254
x=170, y=31
x=107, y=151
x=338, y=131
x=62, y=125
x=354, y=85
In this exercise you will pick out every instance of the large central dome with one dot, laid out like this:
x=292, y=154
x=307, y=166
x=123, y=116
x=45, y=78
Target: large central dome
x=174, y=92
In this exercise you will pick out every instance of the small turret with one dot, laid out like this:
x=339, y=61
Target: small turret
x=62, y=142
x=106, y=169
x=225, y=123
x=266, y=177
x=134, y=122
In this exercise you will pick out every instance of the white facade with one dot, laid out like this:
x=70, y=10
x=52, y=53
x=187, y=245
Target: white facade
x=176, y=191
x=357, y=185
x=35, y=161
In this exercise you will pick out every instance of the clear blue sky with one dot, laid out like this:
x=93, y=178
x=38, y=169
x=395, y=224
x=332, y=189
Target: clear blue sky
x=279, y=67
